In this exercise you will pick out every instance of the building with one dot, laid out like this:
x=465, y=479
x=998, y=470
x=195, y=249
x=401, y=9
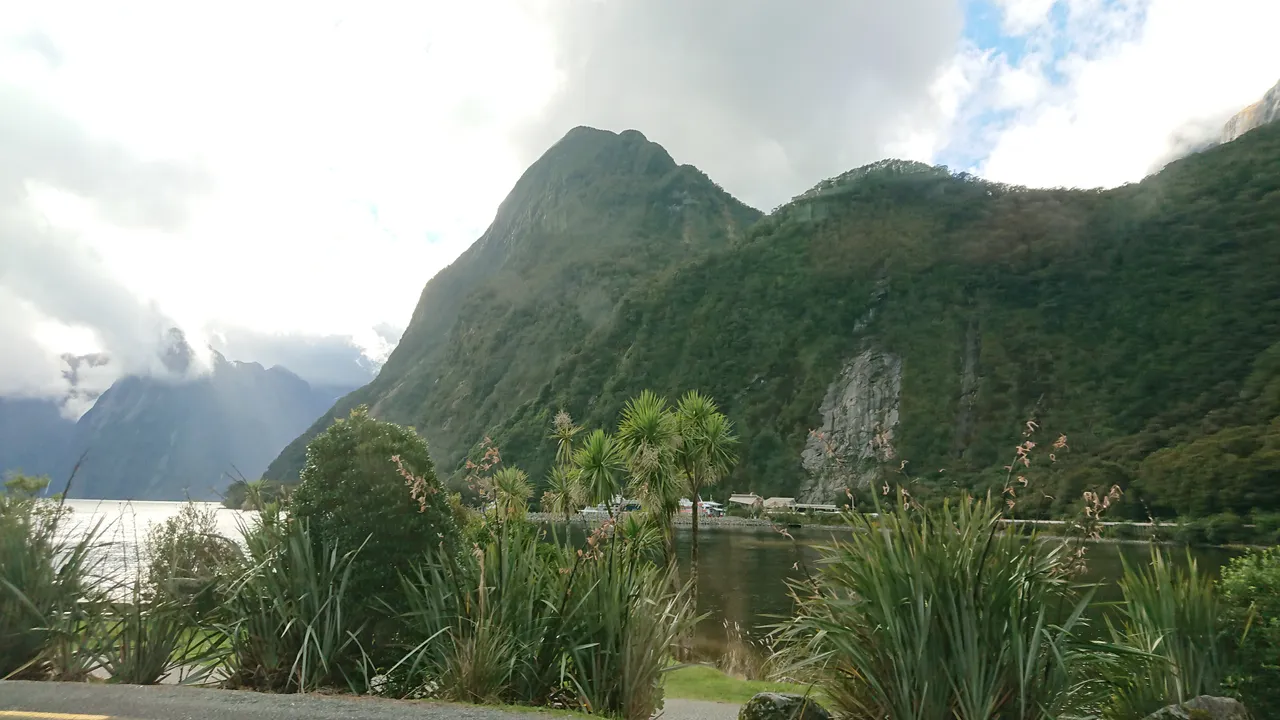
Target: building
x=750, y=500
x=779, y=504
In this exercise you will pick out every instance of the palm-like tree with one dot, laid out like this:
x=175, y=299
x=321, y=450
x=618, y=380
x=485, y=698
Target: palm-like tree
x=512, y=491
x=564, y=493
x=600, y=464
x=706, y=452
x=648, y=434
x=563, y=431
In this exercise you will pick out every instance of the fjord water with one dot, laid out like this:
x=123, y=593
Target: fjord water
x=742, y=571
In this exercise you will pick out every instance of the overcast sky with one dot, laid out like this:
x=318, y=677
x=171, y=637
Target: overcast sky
x=280, y=179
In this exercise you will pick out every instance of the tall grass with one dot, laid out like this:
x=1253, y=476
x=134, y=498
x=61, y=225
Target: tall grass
x=947, y=614
x=44, y=581
x=519, y=620
x=1174, y=615
x=288, y=625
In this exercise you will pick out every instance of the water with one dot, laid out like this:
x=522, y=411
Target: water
x=742, y=571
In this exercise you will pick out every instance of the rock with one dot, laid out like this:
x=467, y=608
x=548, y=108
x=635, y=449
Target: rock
x=782, y=706
x=1204, y=707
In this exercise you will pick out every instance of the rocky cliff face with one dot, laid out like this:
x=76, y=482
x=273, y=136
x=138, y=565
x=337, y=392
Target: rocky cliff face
x=1264, y=111
x=859, y=416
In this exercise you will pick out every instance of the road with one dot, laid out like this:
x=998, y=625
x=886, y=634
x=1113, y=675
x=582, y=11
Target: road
x=83, y=701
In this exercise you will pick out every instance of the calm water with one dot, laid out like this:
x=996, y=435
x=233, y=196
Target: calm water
x=742, y=571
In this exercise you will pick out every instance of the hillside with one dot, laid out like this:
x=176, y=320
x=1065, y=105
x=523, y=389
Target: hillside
x=908, y=313
x=915, y=315
x=596, y=216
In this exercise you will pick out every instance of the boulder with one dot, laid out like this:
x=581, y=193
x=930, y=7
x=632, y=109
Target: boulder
x=1204, y=707
x=782, y=706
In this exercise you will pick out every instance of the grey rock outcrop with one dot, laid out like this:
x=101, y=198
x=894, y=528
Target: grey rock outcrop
x=1204, y=707
x=782, y=706
x=1258, y=114
x=859, y=417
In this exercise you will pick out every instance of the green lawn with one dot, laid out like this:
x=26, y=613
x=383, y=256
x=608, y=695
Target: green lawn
x=699, y=682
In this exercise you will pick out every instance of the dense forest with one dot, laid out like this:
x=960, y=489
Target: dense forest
x=1141, y=322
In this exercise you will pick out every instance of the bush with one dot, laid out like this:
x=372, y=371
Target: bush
x=1226, y=528
x=289, y=625
x=946, y=613
x=524, y=621
x=187, y=558
x=1266, y=528
x=1173, y=616
x=44, y=580
x=1251, y=594
x=356, y=492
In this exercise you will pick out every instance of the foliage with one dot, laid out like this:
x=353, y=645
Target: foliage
x=699, y=682
x=519, y=620
x=253, y=494
x=43, y=580
x=1250, y=589
x=946, y=614
x=1172, y=614
x=600, y=465
x=371, y=484
x=290, y=624
x=187, y=558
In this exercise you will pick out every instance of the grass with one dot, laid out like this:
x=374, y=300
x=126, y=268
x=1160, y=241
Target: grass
x=700, y=682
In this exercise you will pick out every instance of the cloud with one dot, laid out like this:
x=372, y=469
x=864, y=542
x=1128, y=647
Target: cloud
x=47, y=275
x=766, y=97
x=335, y=360
x=1109, y=90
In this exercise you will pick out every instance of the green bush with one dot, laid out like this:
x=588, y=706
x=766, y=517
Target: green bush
x=187, y=559
x=371, y=484
x=1266, y=528
x=524, y=621
x=44, y=581
x=288, y=621
x=1173, y=616
x=945, y=614
x=1226, y=528
x=1250, y=587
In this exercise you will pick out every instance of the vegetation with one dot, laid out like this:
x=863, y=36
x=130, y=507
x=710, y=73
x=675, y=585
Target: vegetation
x=371, y=485
x=1250, y=591
x=186, y=555
x=947, y=614
x=43, y=579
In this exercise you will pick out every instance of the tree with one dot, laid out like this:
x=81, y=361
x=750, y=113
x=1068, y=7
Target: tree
x=600, y=464
x=705, y=453
x=372, y=483
x=647, y=432
x=564, y=493
x=511, y=492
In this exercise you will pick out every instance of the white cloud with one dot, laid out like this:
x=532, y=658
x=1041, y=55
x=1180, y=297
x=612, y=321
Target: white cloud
x=1137, y=80
x=1023, y=16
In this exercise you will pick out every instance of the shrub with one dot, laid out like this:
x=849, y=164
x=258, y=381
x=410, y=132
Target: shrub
x=43, y=581
x=187, y=559
x=1250, y=588
x=353, y=494
x=1225, y=528
x=947, y=613
x=519, y=620
x=1173, y=616
x=289, y=625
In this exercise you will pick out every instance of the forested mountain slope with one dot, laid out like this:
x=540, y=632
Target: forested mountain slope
x=914, y=315
x=598, y=214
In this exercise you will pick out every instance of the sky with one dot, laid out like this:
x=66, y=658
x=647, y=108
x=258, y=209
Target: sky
x=281, y=179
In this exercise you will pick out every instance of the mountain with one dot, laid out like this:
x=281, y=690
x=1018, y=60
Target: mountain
x=1266, y=110
x=34, y=434
x=597, y=216
x=152, y=438
x=914, y=317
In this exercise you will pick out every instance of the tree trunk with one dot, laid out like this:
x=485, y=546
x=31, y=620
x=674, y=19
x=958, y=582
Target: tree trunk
x=693, y=549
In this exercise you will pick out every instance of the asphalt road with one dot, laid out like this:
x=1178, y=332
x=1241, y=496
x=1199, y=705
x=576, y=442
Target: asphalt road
x=84, y=701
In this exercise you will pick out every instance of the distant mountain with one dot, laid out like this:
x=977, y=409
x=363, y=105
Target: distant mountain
x=1266, y=110
x=599, y=215
x=34, y=435
x=153, y=438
